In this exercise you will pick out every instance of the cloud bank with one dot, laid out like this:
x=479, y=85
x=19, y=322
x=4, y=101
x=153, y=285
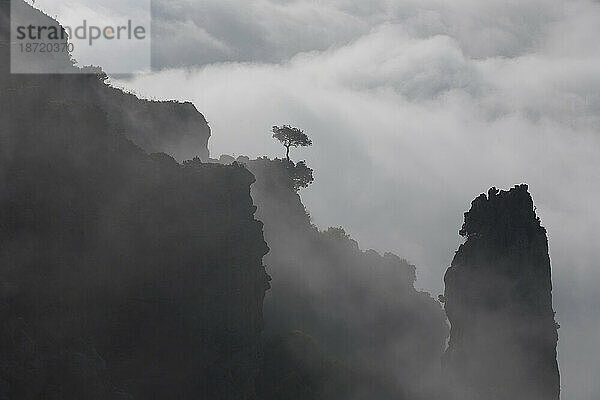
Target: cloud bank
x=414, y=107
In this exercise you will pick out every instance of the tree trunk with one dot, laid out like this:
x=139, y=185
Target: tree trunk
x=287, y=153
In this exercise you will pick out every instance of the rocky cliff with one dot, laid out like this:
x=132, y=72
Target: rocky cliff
x=156, y=126
x=498, y=299
x=123, y=274
x=340, y=322
x=171, y=127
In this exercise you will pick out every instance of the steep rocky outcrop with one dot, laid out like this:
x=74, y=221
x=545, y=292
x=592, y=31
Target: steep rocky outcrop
x=123, y=274
x=171, y=127
x=498, y=299
x=370, y=333
x=155, y=266
x=157, y=126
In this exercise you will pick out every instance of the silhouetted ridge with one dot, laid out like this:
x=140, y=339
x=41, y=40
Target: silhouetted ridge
x=171, y=127
x=123, y=274
x=498, y=299
x=157, y=126
x=359, y=327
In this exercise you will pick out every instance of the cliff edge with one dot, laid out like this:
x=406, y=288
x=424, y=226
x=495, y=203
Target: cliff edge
x=498, y=298
x=172, y=127
x=123, y=273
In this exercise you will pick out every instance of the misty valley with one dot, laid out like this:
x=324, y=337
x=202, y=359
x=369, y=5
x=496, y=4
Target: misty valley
x=136, y=265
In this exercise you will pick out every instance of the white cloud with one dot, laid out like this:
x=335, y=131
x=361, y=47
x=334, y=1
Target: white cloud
x=276, y=30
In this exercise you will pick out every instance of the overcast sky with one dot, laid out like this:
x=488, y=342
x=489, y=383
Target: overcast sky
x=414, y=107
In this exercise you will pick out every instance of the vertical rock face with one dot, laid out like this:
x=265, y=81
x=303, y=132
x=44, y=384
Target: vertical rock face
x=366, y=332
x=123, y=274
x=498, y=299
x=120, y=269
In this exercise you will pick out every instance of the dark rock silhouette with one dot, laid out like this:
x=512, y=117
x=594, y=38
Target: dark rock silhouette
x=123, y=274
x=498, y=299
x=296, y=367
x=372, y=334
x=156, y=126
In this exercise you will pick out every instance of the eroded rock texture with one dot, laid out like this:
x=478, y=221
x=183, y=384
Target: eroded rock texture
x=498, y=299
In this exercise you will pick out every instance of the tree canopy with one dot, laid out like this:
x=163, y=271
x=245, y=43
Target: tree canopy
x=301, y=175
x=291, y=137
